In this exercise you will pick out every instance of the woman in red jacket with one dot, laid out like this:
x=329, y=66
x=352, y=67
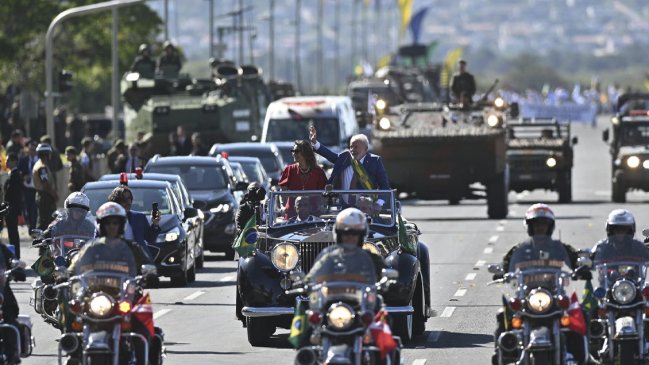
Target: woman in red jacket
x=304, y=174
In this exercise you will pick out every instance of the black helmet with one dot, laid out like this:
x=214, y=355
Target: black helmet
x=143, y=47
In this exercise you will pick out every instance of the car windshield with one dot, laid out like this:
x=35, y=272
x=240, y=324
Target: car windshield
x=297, y=207
x=252, y=171
x=267, y=157
x=634, y=134
x=288, y=130
x=196, y=177
x=143, y=199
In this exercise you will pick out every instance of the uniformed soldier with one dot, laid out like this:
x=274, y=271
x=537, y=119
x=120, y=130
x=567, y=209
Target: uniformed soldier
x=463, y=85
x=76, y=179
x=46, y=196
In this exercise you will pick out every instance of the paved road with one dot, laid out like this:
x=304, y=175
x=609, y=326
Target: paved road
x=200, y=324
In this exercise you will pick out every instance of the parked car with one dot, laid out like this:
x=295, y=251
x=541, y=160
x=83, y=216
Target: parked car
x=173, y=253
x=267, y=153
x=211, y=183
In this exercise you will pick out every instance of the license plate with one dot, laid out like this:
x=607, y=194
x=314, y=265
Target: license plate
x=525, y=176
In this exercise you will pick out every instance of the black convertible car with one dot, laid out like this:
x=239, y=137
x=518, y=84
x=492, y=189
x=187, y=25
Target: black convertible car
x=286, y=243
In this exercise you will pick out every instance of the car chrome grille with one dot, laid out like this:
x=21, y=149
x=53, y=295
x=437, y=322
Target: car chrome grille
x=309, y=251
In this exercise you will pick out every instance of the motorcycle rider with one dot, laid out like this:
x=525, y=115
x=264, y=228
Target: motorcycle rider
x=619, y=245
x=111, y=248
x=540, y=223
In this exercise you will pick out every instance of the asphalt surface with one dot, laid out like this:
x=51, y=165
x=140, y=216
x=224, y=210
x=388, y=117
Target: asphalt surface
x=199, y=320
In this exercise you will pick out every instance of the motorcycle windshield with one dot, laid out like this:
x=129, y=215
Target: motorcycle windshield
x=74, y=222
x=340, y=265
x=113, y=258
x=609, y=273
x=547, y=278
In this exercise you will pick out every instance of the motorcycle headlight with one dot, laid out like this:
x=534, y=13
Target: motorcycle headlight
x=340, y=316
x=623, y=292
x=284, y=256
x=539, y=301
x=633, y=162
x=101, y=305
x=499, y=102
x=221, y=208
x=169, y=236
x=551, y=162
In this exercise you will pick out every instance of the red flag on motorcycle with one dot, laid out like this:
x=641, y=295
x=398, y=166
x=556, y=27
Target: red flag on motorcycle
x=143, y=312
x=382, y=334
x=577, y=320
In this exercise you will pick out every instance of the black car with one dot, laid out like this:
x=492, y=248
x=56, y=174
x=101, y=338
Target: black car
x=211, y=183
x=254, y=170
x=267, y=153
x=173, y=254
x=193, y=219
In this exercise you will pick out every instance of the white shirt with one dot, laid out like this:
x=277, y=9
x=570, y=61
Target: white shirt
x=348, y=175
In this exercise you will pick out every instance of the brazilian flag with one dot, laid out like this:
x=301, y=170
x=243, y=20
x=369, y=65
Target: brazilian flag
x=299, y=325
x=404, y=241
x=588, y=300
x=44, y=266
x=246, y=243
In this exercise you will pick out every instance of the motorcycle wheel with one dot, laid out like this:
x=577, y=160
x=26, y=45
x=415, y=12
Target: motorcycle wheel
x=100, y=359
x=259, y=330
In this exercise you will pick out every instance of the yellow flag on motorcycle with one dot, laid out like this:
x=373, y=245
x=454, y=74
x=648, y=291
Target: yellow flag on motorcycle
x=404, y=241
x=299, y=325
x=44, y=266
x=588, y=300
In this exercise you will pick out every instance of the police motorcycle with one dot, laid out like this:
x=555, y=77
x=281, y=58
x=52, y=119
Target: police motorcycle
x=536, y=318
x=21, y=331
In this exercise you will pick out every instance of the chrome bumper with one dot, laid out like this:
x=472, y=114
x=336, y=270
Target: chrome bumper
x=255, y=312
x=406, y=309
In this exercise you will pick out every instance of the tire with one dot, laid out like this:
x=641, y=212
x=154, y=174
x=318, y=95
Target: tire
x=564, y=187
x=100, y=359
x=259, y=330
x=419, y=320
x=180, y=280
x=618, y=192
x=403, y=326
x=497, y=203
x=191, y=274
x=229, y=254
x=200, y=260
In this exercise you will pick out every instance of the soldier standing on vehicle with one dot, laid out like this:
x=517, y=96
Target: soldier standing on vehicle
x=169, y=64
x=463, y=85
x=46, y=196
x=143, y=63
x=76, y=179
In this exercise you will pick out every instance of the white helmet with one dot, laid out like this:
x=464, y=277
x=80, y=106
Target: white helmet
x=351, y=220
x=110, y=209
x=539, y=211
x=77, y=200
x=620, y=218
x=44, y=147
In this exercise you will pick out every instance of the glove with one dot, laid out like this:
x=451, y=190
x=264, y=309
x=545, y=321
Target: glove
x=19, y=275
x=582, y=273
x=497, y=276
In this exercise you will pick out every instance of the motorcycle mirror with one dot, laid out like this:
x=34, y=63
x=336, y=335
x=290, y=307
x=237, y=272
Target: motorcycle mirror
x=35, y=233
x=149, y=270
x=494, y=269
x=584, y=261
x=59, y=261
x=584, y=252
x=296, y=276
x=645, y=232
x=391, y=274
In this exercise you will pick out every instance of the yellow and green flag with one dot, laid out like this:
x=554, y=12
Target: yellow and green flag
x=299, y=325
x=246, y=243
x=405, y=8
x=588, y=300
x=362, y=175
x=404, y=241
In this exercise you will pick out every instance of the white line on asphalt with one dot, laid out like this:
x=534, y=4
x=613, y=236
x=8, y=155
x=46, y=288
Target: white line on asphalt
x=493, y=238
x=512, y=212
x=480, y=263
x=502, y=222
x=447, y=312
x=470, y=276
x=227, y=278
x=160, y=313
x=602, y=193
x=460, y=293
x=500, y=228
x=433, y=336
x=194, y=295
x=419, y=362
x=488, y=250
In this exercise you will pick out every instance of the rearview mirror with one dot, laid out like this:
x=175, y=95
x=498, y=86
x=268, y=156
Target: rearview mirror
x=605, y=135
x=35, y=233
x=494, y=269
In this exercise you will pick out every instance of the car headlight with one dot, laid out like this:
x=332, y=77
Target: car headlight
x=170, y=236
x=493, y=120
x=539, y=301
x=384, y=123
x=381, y=104
x=340, y=316
x=284, y=256
x=101, y=305
x=499, y=102
x=551, y=162
x=221, y=208
x=371, y=247
x=633, y=162
x=623, y=291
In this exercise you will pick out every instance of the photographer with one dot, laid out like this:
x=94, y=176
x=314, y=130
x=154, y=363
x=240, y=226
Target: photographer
x=249, y=204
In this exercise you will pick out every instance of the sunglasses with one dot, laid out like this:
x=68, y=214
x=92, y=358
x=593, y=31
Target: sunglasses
x=295, y=150
x=112, y=222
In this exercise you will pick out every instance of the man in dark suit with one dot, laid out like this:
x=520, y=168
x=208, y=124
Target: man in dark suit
x=25, y=165
x=343, y=175
x=137, y=227
x=14, y=197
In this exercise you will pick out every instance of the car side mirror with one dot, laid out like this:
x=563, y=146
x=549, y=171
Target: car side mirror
x=241, y=186
x=191, y=212
x=390, y=274
x=35, y=233
x=199, y=204
x=605, y=135
x=149, y=270
x=575, y=140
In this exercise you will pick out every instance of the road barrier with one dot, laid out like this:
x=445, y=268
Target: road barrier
x=581, y=113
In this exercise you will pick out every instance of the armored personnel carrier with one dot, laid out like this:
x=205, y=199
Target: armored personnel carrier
x=227, y=108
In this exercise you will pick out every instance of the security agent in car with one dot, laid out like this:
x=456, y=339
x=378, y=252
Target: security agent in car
x=250, y=204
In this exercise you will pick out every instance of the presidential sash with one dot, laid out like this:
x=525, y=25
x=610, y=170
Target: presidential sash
x=361, y=175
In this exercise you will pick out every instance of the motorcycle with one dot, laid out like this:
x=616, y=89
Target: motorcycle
x=22, y=330
x=101, y=304
x=341, y=314
x=537, y=331
x=617, y=333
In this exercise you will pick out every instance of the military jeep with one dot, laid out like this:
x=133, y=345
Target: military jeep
x=540, y=156
x=629, y=145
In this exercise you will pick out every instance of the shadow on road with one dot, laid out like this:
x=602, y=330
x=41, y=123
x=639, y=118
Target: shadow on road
x=217, y=270
x=200, y=284
x=205, y=352
x=554, y=202
x=453, y=340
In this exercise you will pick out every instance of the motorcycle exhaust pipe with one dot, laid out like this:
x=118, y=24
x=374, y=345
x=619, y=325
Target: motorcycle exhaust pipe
x=305, y=356
x=597, y=329
x=69, y=343
x=508, y=342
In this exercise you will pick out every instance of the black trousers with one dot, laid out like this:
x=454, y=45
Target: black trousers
x=46, y=207
x=12, y=230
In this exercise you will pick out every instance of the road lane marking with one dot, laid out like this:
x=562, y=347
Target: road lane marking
x=419, y=362
x=480, y=263
x=433, y=336
x=488, y=250
x=160, y=313
x=500, y=228
x=194, y=295
x=460, y=293
x=493, y=238
x=227, y=278
x=602, y=193
x=502, y=222
x=447, y=312
x=470, y=276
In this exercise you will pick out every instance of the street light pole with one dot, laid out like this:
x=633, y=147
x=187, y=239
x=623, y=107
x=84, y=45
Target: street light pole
x=298, y=72
x=271, y=50
x=320, y=52
x=166, y=12
x=115, y=77
x=337, y=44
x=241, y=32
x=211, y=27
x=70, y=13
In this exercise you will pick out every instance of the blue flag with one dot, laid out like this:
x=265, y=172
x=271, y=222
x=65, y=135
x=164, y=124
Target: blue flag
x=415, y=24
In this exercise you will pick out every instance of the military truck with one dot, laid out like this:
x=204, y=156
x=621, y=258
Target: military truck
x=629, y=145
x=540, y=156
x=227, y=108
x=364, y=91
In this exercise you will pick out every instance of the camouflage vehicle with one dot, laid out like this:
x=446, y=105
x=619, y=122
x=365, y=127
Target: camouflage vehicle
x=360, y=91
x=540, y=156
x=227, y=108
x=629, y=146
